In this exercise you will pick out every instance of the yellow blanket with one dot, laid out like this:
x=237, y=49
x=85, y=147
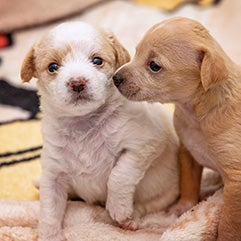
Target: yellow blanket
x=19, y=159
x=170, y=5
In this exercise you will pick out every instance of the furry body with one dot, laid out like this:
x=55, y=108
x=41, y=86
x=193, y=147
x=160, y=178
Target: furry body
x=178, y=61
x=97, y=144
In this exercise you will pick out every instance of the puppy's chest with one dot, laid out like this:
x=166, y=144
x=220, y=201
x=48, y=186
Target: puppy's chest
x=88, y=159
x=89, y=152
x=191, y=135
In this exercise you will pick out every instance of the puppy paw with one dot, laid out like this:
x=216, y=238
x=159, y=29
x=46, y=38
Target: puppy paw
x=121, y=213
x=180, y=208
x=130, y=224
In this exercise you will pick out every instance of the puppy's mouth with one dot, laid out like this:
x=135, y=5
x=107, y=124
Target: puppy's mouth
x=131, y=92
x=77, y=98
x=137, y=95
x=127, y=88
x=78, y=91
x=129, y=95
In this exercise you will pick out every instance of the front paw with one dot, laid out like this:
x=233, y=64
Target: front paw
x=122, y=213
x=130, y=224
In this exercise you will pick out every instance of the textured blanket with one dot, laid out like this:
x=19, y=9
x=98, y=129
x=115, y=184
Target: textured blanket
x=18, y=222
x=20, y=138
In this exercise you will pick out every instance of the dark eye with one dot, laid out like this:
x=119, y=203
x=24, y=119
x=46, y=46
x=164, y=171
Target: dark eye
x=53, y=67
x=97, y=61
x=154, y=66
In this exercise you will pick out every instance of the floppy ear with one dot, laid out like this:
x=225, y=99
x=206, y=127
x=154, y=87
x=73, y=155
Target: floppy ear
x=121, y=54
x=213, y=68
x=28, y=67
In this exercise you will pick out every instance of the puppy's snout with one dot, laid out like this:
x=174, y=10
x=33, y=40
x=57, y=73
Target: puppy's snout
x=77, y=85
x=118, y=79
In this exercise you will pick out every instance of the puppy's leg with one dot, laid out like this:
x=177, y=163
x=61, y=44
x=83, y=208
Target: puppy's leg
x=125, y=176
x=230, y=224
x=53, y=199
x=190, y=180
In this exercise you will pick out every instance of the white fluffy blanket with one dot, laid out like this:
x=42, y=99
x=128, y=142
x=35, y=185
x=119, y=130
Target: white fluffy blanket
x=18, y=222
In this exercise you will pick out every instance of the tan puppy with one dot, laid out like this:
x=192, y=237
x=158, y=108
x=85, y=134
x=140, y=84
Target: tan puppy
x=178, y=61
x=97, y=144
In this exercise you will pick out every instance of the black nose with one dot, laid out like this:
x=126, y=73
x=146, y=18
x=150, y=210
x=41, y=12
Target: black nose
x=117, y=80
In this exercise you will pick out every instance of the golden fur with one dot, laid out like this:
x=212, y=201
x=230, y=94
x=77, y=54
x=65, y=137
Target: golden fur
x=204, y=84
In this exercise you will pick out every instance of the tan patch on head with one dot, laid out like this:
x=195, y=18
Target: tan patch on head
x=46, y=54
x=40, y=57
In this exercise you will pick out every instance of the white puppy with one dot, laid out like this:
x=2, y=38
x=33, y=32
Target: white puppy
x=97, y=144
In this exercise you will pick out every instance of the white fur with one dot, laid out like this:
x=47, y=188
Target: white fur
x=105, y=149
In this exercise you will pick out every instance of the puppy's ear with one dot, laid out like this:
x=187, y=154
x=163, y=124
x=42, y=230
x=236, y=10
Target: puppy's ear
x=121, y=54
x=213, y=68
x=28, y=67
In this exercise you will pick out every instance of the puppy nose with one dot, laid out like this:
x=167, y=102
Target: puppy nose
x=117, y=80
x=77, y=85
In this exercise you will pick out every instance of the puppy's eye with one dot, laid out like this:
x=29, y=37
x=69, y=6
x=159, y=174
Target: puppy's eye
x=53, y=67
x=97, y=61
x=154, y=66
